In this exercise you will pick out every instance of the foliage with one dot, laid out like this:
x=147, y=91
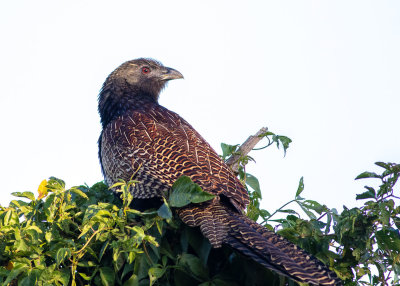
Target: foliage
x=362, y=245
x=88, y=236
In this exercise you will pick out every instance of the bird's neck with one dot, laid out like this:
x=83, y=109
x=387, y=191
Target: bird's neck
x=114, y=103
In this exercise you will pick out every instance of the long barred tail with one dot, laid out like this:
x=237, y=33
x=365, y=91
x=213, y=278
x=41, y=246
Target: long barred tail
x=276, y=253
x=222, y=225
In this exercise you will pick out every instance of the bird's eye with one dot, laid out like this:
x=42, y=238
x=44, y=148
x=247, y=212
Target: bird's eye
x=145, y=70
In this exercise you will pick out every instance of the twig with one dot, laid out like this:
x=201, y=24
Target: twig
x=322, y=216
x=244, y=149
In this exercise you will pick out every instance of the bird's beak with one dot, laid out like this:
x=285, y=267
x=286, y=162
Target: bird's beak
x=169, y=74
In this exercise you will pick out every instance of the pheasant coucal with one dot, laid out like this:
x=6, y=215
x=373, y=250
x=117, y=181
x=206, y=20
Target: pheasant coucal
x=157, y=146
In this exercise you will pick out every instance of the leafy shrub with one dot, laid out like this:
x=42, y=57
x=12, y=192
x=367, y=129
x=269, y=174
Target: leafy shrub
x=87, y=236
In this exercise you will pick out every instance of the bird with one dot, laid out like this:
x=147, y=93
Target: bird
x=144, y=141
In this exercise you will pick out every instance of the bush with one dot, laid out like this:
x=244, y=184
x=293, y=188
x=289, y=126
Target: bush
x=86, y=235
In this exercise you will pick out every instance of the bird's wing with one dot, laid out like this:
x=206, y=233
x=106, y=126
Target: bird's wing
x=159, y=147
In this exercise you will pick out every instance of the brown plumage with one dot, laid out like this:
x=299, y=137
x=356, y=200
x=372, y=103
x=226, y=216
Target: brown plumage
x=141, y=137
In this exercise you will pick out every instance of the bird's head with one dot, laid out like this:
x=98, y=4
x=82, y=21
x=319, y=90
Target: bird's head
x=133, y=80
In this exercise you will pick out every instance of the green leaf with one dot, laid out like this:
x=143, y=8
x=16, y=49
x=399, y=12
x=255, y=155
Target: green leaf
x=87, y=264
x=385, y=214
x=184, y=192
x=164, y=211
x=253, y=183
x=11, y=218
x=21, y=245
x=62, y=254
x=370, y=194
x=55, y=183
x=367, y=175
x=195, y=266
x=35, y=228
x=290, y=211
x=28, y=195
x=107, y=276
x=79, y=193
x=383, y=165
x=132, y=281
x=388, y=239
x=314, y=205
x=17, y=269
x=300, y=188
x=85, y=277
x=285, y=141
x=31, y=279
x=62, y=276
x=103, y=249
x=308, y=212
x=155, y=273
x=227, y=149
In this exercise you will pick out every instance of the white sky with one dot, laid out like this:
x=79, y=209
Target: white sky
x=324, y=73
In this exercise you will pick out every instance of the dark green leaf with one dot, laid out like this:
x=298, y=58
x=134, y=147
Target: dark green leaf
x=55, y=183
x=267, y=133
x=62, y=276
x=264, y=214
x=30, y=279
x=370, y=194
x=388, y=239
x=367, y=175
x=155, y=273
x=285, y=141
x=387, y=166
x=385, y=214
x=79, y=193
x=62, y=254
x=300, y=188
x=195, y=266
x=227, y=149
x=288, y=211
x=132, y=281
x=28, y=195
x=313, y=205
x=107, y=276
x=164, y=211
x=308, y=212
x=253, y=183
x=184, y=192
x=103, y=249
x=18, y=268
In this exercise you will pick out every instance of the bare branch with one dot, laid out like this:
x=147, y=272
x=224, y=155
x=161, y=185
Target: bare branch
x=245, y=148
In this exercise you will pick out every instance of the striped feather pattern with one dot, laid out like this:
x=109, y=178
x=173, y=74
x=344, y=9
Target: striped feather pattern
x=160, y=147
x=275, y=252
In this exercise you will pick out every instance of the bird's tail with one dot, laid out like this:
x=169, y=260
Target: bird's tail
x=222, y=225
x=275, y=252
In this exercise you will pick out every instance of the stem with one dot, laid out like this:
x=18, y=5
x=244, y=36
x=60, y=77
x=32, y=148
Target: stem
x=278, y=210
x=321, y=216
x=269, y=144
x=87, y=242
x=147, y=254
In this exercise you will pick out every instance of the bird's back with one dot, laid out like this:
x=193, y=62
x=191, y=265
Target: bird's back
x=158, y=146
